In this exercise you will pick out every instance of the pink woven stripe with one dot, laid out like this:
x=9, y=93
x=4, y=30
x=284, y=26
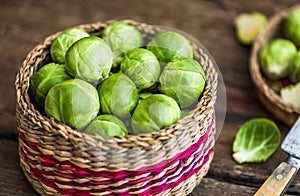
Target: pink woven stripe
x=77, y=172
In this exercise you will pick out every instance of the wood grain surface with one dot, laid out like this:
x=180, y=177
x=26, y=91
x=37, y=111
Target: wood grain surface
x=25, y=23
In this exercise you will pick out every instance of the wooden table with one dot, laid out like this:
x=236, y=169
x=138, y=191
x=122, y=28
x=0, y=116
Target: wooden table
x=25, y=23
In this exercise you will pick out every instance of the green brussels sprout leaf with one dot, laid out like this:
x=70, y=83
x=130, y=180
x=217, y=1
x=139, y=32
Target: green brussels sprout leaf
x=169, y=45
x=189, y=83
x=291, y=94
x=153, y=113
x=45, y=78
x=291, y=28
x=89, y=59
x=118, y=95
x=121, y=37
x=276, y=58
x=73, y=102
x=295, y=70
x=63, y=41
x=248, y=25
x=256, y=141
x=141, y=66
x=107, y=125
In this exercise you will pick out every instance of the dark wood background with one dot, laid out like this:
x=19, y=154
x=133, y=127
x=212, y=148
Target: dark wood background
x=25, y=23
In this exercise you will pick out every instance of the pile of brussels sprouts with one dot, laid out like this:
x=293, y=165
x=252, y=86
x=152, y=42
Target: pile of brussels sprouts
x=114, y=85
x=279, y=59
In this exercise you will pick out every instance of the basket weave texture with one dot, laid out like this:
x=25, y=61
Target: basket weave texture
x=272, y=101
x=58, y=160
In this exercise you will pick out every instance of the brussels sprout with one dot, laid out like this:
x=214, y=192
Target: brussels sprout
x=141, y=66
x=295, y=71
x=107, y=125
x=63, y=41
x=169, y=45
x=121, y=37
x=291, y=27
x=46, y=77
x=189, y=82
x=90, y=59
x=153, y=113
x=276, y=58
x=73, y=102
x=118, y=95
x=248, y=26
x=291, y=94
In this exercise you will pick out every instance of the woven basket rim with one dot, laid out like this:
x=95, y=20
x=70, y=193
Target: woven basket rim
x=254, y=68
x=22, y=85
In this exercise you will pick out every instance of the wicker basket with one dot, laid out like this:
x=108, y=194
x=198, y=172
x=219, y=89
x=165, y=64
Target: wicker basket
x=271, y=99
x=58, y=160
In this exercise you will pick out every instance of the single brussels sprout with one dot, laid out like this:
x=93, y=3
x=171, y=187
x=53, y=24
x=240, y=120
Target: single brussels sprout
x=295, y=70
x=276, y=58
x=189, y=82
x=63, y=41
x=121, y=37
x=73, y=102
x=154, y=113
x=107, y=125
x=46, y=77
x=169, y=45
x=118, y=95
x=248, y=26
x=141, y=66
x=291, y=94
x=89, y=59
x=291, y=27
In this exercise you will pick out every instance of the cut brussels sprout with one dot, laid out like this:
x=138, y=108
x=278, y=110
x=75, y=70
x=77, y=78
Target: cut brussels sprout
x=169, y=45
x=89, y=59
x=118, y=95
x=276, y=58
x=295, y=70
x=73, y=102
x=291, y=28
x=291, y=94
x=46, y=77
x=248, y=26
x=256, y=141
x=183, y=80
x=63, y=41
x=107, y=125
x=153, y=113
x=121, y=37
x=141, y=66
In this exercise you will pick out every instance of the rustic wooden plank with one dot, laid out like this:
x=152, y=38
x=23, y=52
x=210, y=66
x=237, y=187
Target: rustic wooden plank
x=12, y=180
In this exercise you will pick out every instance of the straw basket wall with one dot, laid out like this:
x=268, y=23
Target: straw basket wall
x=58, y=160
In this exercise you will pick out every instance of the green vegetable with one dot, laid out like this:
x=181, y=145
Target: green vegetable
x=295, y=70
x=291, y=94
x=183, y=80
x=256, y=141
x=169, y=45
x=291, y=28
x=248, y=26
x=89, y=59
x=73, y=102
x=121, y=37
x=153, y=113
x=63, y=41
x=118, y=95
x=46, y=77
x=141, y=66
x=107, y=125
x=276, y=58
